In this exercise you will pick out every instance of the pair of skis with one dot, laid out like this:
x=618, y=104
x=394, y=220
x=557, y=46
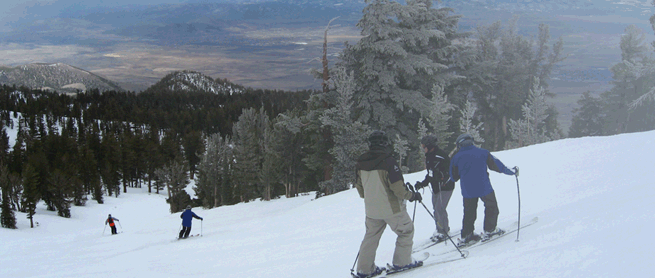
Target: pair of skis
x=423, y=260
x=493, y=238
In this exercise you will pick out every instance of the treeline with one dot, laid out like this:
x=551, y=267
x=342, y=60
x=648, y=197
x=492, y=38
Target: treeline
x=412, y=73
x=92, y=144
x=629, y=106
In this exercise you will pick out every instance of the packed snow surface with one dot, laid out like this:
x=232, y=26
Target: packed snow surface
x=593, y=197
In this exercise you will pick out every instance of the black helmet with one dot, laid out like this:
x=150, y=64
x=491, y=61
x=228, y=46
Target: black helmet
x=429, y=141
x=464, y=140
x=188, y=207
x=378, y=138
x=110, y=215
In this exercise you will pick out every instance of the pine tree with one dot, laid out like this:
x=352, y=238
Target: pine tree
x=405, y=51
x=292, y=151
x=174, y=177
x=349, y=136
x=530, y=129
x=503, y=72
x=587, y=118
x=628, y=105
x=466, y=124
x=213, y=171
x=247, y=134
x=7, y=217
x=31, y=193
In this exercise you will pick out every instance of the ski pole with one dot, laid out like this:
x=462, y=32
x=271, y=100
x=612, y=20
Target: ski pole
x=103, y=230
x=200, y=227
x=412, y=189
x=518, y=191
x=119, y=224
x=449, y=237
x=353, y=268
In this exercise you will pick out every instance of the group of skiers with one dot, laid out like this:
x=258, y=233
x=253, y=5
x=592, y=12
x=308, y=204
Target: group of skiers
x=187, y=217
x=380, y=183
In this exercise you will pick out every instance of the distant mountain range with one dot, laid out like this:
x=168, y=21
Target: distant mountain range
x=55, y=77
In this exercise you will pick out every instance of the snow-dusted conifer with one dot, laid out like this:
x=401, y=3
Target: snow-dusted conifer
x=349, y=136
x=466, y=124
x=530, y=129
x=405, y=51
x=213, y=171
x=400, y=146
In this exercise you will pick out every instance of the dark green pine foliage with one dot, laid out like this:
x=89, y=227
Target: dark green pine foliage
x=7, y=217
x=502, y=73
x=31, y=193
x=193, y=146
x=587, y=118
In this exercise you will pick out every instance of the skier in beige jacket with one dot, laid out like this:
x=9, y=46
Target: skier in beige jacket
x=380, y=182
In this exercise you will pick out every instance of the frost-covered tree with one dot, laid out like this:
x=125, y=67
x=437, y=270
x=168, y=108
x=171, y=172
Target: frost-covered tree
x=466, y=123
x=400, y=147
x=174, y=177
x=406, y=50
x=629, y=105
x=502, y=74
x=440, y=114
x=349, y=136
x=212, y=180
x=530, y=129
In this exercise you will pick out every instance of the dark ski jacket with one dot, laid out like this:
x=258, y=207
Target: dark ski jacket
x=437, y=164
x=187, y=216
x=470, y=164
x=380, y=182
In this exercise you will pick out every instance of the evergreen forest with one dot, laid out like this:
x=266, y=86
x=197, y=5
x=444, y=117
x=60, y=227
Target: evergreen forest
x=412, y=73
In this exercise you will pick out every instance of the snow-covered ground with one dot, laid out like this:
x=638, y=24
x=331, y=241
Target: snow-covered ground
x=593, y=197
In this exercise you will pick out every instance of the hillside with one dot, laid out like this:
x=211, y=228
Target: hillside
x=192, y=81
x=55, y=77
x=592, y=197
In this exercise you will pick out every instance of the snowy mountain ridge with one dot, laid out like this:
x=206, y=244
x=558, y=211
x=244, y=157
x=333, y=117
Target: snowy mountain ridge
x=192, y=81
x=58, y=77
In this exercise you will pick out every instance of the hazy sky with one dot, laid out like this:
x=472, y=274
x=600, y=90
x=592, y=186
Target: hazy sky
x=15, y=11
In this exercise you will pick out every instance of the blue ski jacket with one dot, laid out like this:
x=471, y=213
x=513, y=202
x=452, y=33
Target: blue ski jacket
x=187, y=216
x=470, y=164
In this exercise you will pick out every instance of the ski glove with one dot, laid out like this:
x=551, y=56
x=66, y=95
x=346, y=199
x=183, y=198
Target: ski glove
x=516, y=170
x=421, y=184
x=416, y=197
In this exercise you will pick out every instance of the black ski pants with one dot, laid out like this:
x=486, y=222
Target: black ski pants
x=113, y=229
x=184, y=233
x=470, y=213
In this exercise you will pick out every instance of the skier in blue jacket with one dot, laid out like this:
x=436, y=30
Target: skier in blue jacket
x=187, y=216
x=470, y=165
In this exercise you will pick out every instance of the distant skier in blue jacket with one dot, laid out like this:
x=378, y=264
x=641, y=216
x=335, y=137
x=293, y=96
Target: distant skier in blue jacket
x=470, y=165
x=187, y=216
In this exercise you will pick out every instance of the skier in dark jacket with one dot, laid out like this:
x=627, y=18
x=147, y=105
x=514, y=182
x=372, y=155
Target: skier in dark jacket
x=187, y=216
x=470, y=165
x=437, y=164
x=110, y=220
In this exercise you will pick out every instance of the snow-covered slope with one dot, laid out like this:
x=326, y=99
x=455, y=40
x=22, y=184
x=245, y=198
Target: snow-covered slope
x=593, y=197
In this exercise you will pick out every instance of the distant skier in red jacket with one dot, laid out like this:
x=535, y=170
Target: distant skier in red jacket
x=110, y=220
